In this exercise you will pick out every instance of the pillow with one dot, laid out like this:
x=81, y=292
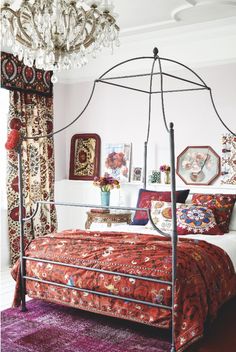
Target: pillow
x=191, y=219
x=144, y=201
x=232, y=224
x=221, y=204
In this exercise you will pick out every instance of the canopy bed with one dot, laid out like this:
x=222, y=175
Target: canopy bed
x=131, y=276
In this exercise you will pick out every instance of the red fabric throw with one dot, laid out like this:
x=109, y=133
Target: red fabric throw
x=205, y=277
x=13, y=140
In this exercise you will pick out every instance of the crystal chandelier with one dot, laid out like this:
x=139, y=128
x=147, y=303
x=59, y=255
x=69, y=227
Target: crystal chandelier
x=58, y=34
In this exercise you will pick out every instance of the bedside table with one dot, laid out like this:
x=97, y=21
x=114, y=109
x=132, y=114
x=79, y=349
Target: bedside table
x=107, y=218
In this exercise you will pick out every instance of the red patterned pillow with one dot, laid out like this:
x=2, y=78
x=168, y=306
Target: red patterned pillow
x=144, y=201
x=191, y=219
x=221, y=204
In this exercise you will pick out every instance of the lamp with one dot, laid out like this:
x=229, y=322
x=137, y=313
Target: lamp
x=58, y=34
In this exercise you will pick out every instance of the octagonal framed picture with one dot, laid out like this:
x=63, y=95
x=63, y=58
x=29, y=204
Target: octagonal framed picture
x=198, y=165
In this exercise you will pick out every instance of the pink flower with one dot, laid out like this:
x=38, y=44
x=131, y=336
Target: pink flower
x=165, y=168
x=106, y=182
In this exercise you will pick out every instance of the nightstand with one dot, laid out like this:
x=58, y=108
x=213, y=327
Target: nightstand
x=107, y=218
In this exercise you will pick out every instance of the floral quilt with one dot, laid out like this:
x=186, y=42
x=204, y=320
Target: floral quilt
x=205, y=277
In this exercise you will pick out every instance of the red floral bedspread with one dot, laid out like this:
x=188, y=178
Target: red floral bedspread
x=206, y=277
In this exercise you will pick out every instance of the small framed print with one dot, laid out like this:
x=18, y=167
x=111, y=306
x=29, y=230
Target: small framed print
x=137, y=174
x=85, y=156
x=198, y=165
x=117, y=161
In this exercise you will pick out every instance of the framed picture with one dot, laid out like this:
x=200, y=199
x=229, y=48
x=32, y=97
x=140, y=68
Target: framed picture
x=228, y=164
x=117, y=161
x=137, y=174
x=198, y=165
x=85, y=156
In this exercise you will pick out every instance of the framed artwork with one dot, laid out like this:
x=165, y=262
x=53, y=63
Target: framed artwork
x=117, y=161
x=198, y=165
x=228, y=160
x=85, y=156
x=137, y=174
x=155, y=176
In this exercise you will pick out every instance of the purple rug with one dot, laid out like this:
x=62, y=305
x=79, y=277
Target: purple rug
x=47, y=327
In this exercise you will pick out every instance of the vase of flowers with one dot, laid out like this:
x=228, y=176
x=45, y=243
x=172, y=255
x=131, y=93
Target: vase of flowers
x=106, y=183
x=166, y=170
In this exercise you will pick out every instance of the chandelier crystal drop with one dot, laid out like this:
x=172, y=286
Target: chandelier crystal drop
x=58, y=34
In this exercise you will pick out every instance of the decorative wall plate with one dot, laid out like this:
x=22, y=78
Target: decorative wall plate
x=198, y=165
x=85, y=156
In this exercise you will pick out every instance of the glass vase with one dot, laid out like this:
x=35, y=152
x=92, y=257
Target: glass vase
x=105, y=198
x=167, y=177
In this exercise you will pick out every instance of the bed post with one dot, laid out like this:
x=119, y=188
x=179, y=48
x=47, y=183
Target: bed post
x=21, y=222
x=145, y=166
x=174, y=231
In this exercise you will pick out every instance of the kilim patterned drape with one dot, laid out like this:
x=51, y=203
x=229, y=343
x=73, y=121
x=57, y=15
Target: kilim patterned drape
x=32, y=114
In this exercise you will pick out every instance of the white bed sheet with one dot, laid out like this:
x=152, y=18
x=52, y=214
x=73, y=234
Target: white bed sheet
x=227, y=241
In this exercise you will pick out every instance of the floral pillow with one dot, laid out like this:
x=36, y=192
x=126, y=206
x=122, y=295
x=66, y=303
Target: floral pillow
x=144, y=201
x=221, y=204
x=191, y=219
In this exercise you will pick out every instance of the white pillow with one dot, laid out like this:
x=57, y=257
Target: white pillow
x=232, y=224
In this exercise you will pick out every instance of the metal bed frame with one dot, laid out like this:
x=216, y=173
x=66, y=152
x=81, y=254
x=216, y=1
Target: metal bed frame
x=200, y=85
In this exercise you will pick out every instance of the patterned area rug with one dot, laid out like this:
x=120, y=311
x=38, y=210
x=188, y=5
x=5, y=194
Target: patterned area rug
x=47, y=327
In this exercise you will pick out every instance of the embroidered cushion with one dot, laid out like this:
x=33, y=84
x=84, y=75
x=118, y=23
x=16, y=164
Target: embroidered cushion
x=191, y=219
x=221, y=204
x=144, y=201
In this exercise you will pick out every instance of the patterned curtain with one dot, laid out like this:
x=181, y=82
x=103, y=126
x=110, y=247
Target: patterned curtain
x=32, y=115
x=30, y=112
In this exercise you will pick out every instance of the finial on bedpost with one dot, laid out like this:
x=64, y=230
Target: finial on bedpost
x=155, y=52
x=171, y=125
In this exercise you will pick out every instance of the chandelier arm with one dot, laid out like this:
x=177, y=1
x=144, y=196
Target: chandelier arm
x=16, y=15
x=67, y=31
x=49, y=135
x=39, y=35
x=93, y=25
x=162, y=95
x=88, y=39
x=19, y=22
x=83, y=16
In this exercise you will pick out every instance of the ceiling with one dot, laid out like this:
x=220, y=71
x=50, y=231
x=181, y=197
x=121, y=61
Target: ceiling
x=198, y=32
x=139, y=15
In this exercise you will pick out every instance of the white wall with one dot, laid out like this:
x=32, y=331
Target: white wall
x=60, y=113
x=120, y=115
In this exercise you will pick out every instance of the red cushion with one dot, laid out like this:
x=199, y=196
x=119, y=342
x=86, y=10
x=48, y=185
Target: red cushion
x=221, y=204
x=144, y=201
x=193, y=219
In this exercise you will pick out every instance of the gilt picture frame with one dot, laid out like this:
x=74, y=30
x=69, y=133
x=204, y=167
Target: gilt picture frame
x=198, y=165
x=85, y=156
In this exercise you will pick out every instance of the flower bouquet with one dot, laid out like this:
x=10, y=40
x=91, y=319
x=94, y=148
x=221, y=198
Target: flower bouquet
x=106, y=183
x=166, y=170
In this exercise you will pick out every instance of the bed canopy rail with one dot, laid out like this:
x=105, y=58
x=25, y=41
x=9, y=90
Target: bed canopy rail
x=197, y=84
